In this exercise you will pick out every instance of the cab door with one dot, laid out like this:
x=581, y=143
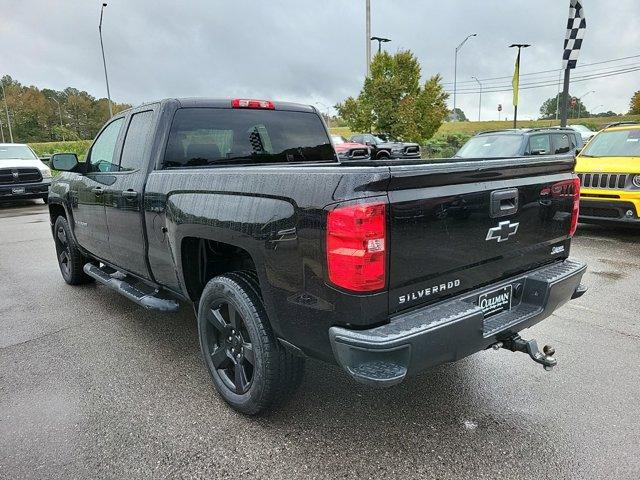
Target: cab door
x=123, y=198
x=89, y=219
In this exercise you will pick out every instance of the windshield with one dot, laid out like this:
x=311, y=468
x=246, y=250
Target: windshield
x=210, y=136
x=16, y=152
x=491, y=146
x=337, y=139
x=580, y=128
x=615, y=143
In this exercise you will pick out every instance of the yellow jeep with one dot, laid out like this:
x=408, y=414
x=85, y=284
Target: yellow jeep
x=609, y=171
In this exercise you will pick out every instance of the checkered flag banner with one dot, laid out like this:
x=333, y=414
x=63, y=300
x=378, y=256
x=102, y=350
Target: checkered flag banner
x=576, y=27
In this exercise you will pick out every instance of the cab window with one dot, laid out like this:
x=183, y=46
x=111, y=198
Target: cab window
x=101, y=157
x=540, y=145
x=562, y=143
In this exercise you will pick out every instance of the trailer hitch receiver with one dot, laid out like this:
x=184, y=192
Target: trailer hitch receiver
x=515, y=343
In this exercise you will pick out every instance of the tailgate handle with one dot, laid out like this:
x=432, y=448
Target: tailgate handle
x=504, y=203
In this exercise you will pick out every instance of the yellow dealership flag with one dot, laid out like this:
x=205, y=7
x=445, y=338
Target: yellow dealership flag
x=516, y=80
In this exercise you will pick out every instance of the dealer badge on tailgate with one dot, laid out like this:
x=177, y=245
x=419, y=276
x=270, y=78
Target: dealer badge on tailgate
x=496, y=301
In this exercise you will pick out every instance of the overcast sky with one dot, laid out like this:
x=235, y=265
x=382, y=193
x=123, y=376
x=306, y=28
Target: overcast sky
x=303, y=50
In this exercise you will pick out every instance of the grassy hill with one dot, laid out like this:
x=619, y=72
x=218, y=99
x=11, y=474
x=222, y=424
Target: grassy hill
x=471, y=128
x=448, y=138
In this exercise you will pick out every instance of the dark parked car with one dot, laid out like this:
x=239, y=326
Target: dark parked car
x=389, y=148
x=242, y=208
x=522, y=143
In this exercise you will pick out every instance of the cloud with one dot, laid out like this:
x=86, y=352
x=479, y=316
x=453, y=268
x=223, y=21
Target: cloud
x=303, y=50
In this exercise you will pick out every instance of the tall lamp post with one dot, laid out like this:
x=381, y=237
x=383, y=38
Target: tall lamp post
x=368, y=22
x=104, y=62
x=480, y=102
x=516, y=81
x=6, y=110
x=580, y=104
x=455, y=74
x=60, y=114
x=380, y=41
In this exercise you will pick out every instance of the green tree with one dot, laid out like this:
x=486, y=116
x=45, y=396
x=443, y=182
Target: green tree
x=461, y=116
x=549, y=106
x=36, y=115
x=393, y=100
x=634, y=107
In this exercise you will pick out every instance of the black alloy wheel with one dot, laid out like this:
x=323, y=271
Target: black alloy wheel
x=64, y=251
x=229, y=346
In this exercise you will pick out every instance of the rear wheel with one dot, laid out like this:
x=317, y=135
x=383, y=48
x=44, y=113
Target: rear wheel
x=70, y=260
x=45, y=199
x=250, y=369
x=383, y=156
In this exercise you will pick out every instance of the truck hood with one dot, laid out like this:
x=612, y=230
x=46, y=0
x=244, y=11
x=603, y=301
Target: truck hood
x=20, y=163
x=392, y=145
x=341, y=147
x=608, y=164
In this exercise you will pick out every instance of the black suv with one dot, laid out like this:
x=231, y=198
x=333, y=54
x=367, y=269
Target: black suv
x=384, y=147
x=521, y=143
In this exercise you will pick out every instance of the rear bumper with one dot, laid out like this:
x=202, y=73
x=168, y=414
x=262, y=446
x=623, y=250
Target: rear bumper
x=609, y=211
x=31, y=190
x=452, y=329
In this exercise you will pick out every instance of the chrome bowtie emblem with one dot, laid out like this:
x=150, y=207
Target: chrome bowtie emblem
x=503, y=231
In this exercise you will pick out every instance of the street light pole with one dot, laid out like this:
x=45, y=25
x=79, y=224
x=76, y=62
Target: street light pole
x=59, y=113
x=6, y=110
x=455, y=74
x=480, y=102
x=104, y=62
x=516, y=85
x=368, y=22
x=580, y=104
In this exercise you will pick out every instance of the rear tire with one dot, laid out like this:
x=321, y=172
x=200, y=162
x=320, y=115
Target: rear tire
x=45, y=199
x=251, y=371
x=70, y=260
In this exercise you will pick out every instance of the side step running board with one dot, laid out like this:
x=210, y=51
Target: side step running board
x=146, y=300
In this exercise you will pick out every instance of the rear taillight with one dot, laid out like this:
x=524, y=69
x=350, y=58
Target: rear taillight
x=564, y=189
x=250, y=103
x=356, y=247
x=576, y=206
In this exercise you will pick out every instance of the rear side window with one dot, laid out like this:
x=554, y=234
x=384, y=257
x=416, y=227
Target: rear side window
x=562, y=143
x=540, y=145
x=215, y=136
x=136, y=141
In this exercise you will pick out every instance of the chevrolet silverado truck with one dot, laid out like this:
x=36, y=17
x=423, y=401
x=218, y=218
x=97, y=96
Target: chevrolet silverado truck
x=242, y=208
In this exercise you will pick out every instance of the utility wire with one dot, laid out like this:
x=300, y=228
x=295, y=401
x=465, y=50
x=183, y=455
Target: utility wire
x=555, y=70
x=534, y=85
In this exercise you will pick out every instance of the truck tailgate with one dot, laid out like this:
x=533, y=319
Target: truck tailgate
x=461, y=225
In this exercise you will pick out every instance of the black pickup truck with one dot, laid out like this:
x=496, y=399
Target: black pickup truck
x=242, y=208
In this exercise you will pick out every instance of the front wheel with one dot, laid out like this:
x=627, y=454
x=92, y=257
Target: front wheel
x=250, y=369
x=70, y=260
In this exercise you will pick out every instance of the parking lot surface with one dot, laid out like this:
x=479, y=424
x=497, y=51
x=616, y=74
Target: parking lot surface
x=93, y=386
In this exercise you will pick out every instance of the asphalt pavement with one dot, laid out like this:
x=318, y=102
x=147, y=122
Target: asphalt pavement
x=93, y=386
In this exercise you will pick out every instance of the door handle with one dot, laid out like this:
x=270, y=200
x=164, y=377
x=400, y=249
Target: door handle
x=130, y=194
x=97, y=191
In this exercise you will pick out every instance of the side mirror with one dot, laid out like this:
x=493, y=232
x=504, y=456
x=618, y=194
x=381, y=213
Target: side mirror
x=65, y=162
x=578, y=150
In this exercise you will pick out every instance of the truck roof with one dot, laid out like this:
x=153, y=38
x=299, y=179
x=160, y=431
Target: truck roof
x=204, y=102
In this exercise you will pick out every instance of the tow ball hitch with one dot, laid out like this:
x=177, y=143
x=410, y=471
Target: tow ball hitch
x=515, y=343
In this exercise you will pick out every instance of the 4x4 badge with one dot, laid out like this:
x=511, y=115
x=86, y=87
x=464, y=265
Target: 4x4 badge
x=503, y=231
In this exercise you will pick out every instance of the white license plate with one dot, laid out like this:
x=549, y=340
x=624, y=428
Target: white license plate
x=495, y=302
x=17, y=190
